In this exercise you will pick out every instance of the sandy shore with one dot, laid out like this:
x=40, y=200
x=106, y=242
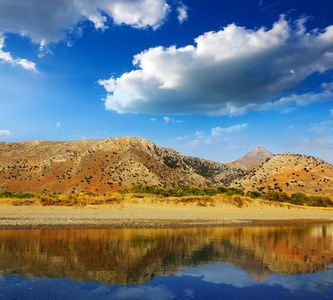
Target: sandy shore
x=145, y=214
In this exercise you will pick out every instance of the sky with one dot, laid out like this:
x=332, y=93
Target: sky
x=208, y=78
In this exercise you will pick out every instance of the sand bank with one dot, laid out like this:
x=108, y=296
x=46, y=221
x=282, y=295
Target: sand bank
x=147, y=214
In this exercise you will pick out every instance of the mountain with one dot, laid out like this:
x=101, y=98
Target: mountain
x=254, y=158
x=290, y=173
x=101, y=166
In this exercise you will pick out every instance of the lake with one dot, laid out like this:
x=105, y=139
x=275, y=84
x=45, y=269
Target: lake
x=263, y=262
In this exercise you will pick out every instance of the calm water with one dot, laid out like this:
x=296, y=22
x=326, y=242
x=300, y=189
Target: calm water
x=291, y=262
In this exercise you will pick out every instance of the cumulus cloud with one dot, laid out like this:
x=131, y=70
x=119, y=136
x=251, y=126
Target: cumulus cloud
x=4, y=132
x=6, y=57
x=228, y=72
x=49, y=20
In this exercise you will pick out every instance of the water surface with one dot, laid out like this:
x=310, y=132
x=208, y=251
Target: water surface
x=193, y=263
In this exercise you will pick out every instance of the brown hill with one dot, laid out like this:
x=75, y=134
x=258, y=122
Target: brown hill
x=100, y=166
x=291, y=173
x=254, y=158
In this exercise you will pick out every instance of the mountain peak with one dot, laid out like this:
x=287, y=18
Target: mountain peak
x=259, y=153
x=254, y=158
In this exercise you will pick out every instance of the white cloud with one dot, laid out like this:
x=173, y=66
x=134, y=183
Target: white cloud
x=217, y=131
x=171, y=120
x=4, y=132
x=166, y=120
x=43, y=49
x=218, y=135
x=228, y=72
x=197, y=135
x=182, y=13
x=6, y=57
x=153, y=119
x=58, y=124
x=49, y=20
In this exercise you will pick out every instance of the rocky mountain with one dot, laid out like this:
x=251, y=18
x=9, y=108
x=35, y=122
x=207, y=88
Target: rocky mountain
x=254, y=158
x=101, y=166
x=291, y=173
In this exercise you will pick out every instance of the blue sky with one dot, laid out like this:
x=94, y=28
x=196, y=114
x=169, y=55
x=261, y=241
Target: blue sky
x=212, y=79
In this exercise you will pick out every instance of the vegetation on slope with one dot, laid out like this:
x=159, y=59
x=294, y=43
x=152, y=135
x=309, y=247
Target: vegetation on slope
x=296, y=198
x=185, y=191
x=186, y=195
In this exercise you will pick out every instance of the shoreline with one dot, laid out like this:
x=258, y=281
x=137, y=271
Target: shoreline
x=157, y=215
x=130, y=224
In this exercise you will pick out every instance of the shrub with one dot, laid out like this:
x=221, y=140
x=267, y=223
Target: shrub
x=254, y=194
x=299, y=198
x=18, y=195
x=276, y=196
x=235, y=191
x=320, y=201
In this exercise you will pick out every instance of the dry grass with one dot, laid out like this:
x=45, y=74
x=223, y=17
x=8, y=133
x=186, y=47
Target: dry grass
x=129, y=199
x=65, y=200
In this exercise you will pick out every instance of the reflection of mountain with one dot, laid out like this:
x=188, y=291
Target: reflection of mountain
x=135, y=256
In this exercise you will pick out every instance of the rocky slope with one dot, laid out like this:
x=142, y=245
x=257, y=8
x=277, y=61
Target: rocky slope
x=291, y=173
x=100, y=166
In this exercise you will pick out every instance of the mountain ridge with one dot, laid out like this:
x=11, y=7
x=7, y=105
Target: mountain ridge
x=100, y=166
x=106, y=165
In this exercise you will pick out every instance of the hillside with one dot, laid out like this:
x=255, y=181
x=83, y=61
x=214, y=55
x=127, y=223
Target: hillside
x=291, y=173
x=100, y=166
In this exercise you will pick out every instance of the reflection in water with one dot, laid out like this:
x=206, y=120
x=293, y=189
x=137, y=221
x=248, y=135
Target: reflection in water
x=136, y=256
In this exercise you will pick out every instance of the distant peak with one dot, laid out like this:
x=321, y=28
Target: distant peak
x=259, y=153
x=254, y=158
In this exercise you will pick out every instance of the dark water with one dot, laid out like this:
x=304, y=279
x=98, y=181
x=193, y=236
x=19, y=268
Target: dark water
x=291, y=262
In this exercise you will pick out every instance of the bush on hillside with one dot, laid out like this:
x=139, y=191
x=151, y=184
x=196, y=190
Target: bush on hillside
x=18, y=195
